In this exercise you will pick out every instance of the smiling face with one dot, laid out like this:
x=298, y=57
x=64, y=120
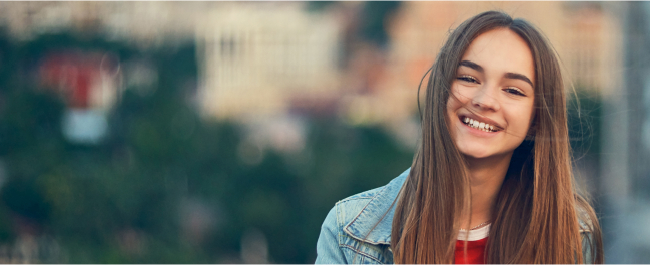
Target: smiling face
x=492, y=97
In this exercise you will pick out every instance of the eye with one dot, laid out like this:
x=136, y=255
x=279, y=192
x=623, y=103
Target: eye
x=514, y=91
x=467, y=78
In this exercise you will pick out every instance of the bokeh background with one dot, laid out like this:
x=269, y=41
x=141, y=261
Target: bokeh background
x=223, y=132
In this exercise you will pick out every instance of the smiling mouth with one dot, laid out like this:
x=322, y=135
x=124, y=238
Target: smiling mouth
x=479, y=125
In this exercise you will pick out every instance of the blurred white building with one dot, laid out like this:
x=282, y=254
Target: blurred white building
x=255, y=58
x=144, y=22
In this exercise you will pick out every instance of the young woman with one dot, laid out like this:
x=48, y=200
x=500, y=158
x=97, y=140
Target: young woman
x=491, y=181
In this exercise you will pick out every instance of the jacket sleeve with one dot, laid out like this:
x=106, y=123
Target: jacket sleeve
x=587, y=245
x=328, y=248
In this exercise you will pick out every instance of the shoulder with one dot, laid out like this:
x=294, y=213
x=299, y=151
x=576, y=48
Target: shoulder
x=368, y=215
x=357, y=228
x=589, y=230
x=363, y=195
x=350, y=207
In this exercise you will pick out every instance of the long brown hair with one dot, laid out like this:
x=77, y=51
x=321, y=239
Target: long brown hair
x=537, y=211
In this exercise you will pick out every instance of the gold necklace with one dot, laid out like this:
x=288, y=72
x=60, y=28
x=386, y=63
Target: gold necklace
x=478, y=226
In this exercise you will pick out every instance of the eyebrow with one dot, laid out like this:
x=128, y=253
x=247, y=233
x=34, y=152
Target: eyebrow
x=472, y=65
x=478, y=68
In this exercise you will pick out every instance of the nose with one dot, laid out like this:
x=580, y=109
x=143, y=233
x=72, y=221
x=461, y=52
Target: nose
x=485, y=98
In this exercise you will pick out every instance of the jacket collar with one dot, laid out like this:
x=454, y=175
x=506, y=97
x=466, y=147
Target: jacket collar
x=361, y=227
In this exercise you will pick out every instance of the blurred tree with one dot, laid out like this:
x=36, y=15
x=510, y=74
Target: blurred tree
x=318, y=6
x=139, y=196
x=375, y=19
x=584, y=116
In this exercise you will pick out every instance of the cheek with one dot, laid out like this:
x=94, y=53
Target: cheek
x=522, y=120
x=456, y=98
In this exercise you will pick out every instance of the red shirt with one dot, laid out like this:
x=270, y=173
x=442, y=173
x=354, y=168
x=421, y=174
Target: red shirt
x=475, y=252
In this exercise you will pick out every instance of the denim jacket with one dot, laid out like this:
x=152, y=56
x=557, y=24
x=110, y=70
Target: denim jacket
x=345, y=235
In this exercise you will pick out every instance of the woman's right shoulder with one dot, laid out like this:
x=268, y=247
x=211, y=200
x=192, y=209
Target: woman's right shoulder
x=345, y=233
x=373, y=203
x=358, y=200
x=353, y=205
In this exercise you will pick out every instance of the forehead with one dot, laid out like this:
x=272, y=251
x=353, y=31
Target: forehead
x=501, y=51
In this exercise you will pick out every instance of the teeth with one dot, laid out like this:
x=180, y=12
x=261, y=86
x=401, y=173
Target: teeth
x=479, y=125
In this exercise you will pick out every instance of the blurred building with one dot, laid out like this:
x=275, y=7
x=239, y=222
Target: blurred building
x=86, y=80
x=146, y=23
x=256, y=58
x=89, y=83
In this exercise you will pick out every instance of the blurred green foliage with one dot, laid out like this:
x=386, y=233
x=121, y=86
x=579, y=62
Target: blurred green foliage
x=584, y=111
x=125, y=200
x=375, y=21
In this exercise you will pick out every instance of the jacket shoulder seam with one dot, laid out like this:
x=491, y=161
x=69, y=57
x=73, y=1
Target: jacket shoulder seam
x=354, y=199
x=364, y=195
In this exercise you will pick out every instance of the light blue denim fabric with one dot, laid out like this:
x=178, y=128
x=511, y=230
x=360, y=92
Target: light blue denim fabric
x=345, y=235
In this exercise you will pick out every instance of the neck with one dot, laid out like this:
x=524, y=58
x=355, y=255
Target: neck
x=486, y=177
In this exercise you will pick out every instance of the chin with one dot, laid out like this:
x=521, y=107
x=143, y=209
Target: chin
x=477, y=150
x=476, y=155
x=474, y=152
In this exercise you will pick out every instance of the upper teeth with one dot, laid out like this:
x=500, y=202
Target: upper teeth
x=479, y=125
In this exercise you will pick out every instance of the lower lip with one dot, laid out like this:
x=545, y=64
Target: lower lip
x=478, y=132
